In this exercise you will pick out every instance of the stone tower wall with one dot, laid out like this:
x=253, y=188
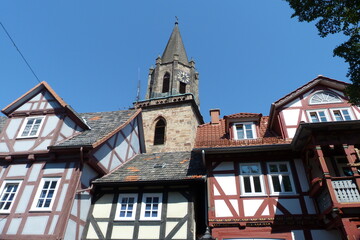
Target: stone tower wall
x=181, y=125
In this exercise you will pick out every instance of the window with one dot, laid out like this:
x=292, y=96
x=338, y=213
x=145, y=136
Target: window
x=323, y=97
x=46, y=194
x=244, y=130
x=318, y=116
x=159, y=135
x=251, y=179
x=151, y=206
x=31, y=127
x=126, y=207
x=341, y=114
x=8, y=192
x=280, y=178
x=182, y=88
x=343, y=167
x=166, y=83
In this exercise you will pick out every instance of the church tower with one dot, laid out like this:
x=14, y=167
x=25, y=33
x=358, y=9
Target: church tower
x=170, y=110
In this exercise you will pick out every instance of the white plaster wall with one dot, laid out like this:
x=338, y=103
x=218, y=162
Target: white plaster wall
x=92, y=234
x=177, y=206
x=61, y=197
x=24, y=145
x=18, y=170
x=39, y=221
x=356, y=111
x=328, y=235
x=149, y=232
x=221, y=209
x=304, y=184
x=3, y=147
x=227, y=183
x=102, y=207
x=35, y=171
x=310, y=205
x=122, y=232
x=24, y=199
x=182, y=232
x=297, y=235
x=251, y=206
x=68, y=127
x=12, y=128
x=294, y=103
x=14, y=226
x=87, y=175
x=103, y=155
x=51, y=168
x=291, y=116
x=53, y=224
x=51, y=122
x=103, y=227
x=292, y=205
x=291, y=132
x=70, y=230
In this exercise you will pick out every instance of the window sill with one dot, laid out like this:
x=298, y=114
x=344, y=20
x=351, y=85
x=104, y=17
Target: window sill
x=253, y=195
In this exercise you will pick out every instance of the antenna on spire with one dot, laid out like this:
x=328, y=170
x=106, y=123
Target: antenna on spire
x=177, y=20
x=138, y=87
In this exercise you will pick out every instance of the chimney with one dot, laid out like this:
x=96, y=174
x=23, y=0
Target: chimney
x=215, y=116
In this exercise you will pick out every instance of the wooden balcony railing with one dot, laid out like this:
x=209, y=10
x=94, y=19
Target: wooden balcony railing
x=346, y=191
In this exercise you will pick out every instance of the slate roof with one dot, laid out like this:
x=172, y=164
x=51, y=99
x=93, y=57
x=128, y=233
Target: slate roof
x=175, y=46
x=215, y=135
x=158, y=167
x=102, y=125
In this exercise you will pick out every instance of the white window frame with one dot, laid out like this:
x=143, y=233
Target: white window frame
x=119, y=205
x=253, y=129
x=251, y=176
x=143, y=206
x=339, y=100
x=280, y=176
x=2, y=193
x=24, y=126
x=34, y=206
x=317, y=113
x=342, y=114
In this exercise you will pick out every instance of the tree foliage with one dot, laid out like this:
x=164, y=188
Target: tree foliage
x=336, y=16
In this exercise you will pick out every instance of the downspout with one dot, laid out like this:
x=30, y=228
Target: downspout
x=207, y=235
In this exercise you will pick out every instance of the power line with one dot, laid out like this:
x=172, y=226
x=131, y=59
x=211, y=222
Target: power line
x=19, y=51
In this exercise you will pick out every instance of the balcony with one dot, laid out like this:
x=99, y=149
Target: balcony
x=346, y=191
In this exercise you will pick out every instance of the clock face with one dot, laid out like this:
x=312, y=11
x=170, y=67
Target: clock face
x=183, y=77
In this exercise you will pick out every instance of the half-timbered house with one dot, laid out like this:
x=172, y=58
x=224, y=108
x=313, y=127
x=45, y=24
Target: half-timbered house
x=152, y=196
x=49, y=154
x=292, y=175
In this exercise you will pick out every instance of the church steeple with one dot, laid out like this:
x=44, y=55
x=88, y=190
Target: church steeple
x=173, y=75
x=170, y=111
x=175, y=47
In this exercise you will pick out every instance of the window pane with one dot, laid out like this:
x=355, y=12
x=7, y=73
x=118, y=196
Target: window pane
x=240, y=131
x=257, y=184
x=314, y=117
x=255, y=169
x=247, y=184
x=273, y=168
x=283, y=168
x=287, y=184
x=346, y=115
x=276, y=183
x=322, y=116
x=337, y=115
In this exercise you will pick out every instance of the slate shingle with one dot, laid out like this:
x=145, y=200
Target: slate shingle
x=170, y=166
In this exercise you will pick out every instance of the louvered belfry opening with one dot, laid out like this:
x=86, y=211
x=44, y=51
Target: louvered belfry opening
x=166, y=83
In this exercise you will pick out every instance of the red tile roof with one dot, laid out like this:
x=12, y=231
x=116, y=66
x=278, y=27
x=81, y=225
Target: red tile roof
x=215, y=135
x=243, y=115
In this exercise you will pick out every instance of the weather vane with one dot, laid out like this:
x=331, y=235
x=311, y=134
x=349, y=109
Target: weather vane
x=177, y=20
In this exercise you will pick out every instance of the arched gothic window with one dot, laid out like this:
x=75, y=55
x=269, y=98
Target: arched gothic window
x=166, y=83
x=323, y=97
x=182, y=88
x=159, y=136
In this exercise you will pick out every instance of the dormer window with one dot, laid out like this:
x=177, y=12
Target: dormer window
x=31, y=127
x=245, y=130
x=324, y=97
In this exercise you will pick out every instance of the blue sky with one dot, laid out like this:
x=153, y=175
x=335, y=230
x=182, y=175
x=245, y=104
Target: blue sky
x=248, y=53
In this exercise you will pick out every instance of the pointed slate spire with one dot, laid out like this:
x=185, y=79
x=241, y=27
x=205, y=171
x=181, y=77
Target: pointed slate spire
x=175, y=46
